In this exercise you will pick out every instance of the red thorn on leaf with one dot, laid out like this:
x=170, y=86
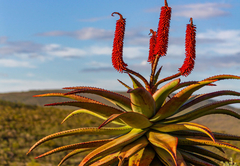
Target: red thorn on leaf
x=163, y=31
x=190, y=49
x=117, y=52
x=152, y=44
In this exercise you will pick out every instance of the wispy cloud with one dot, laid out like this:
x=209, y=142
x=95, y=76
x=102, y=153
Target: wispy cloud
x=15, y=63
x=132, y=37
x=65, y=52
x=198, y=10
x=27, y=49
x=201, y=10
x=21, y=47
x=220, y=62
x=229, y=41
x=82, y=34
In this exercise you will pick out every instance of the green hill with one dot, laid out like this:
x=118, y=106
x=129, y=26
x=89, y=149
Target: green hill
x=24, y=121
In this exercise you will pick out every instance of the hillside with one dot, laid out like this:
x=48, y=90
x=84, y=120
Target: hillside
x=23, y=121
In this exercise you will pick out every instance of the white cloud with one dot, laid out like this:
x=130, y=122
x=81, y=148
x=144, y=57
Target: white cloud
x=15, y=63
x=59, y=51
x=229, y=45
x=198, y=10
x=22, y=47
x=98, y=50
x=134, y=52
x=201, y=10
x=82, y=34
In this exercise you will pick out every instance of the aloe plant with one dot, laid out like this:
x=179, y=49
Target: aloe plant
x=151, y=126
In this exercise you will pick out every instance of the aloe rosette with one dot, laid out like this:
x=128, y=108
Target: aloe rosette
x=152, y=127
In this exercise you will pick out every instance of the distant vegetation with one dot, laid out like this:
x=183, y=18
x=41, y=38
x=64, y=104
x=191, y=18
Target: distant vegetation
x=21, y=125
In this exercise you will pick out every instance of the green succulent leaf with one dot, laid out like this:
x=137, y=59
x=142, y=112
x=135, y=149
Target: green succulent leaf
x=101, y=109
x=81, y=131
x=219, y=136
x=117, y=99
x=206, y=110
x=195, y=160
x=207, y=96
x=130, y=149
x=143, y=157
x=165, y=157
x=205, y=141
x=223, y=136
x=107, y=160
x=132, y=119
x=183, y=126
x=164, y=143
x=166, y=79
x=128, y=87
x=142, y=102
x=188, y=83
x=202, y=151
x=136, y=83
x=223, y=77
x=170, y=107
x=84, y=145
x=70, y=96
x=73, y=153
x=113, y=145
x=180, y=160
x=91, y=113
x=160, y=95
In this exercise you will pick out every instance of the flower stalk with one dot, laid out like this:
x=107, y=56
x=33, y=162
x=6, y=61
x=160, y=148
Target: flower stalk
x=117, y=52
x=152, y=44
x=190, y=49
x=163, y=30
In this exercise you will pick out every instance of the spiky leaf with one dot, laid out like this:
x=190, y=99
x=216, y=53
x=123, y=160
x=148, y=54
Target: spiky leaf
x=81, y=131
x=132, y=119
x=142, y=101
x=183, y=126
x=131, y=149
x=143, y=157
x=160, y=95
x=113, y=145
x=177, y=100
x=165, y=145
x=91, y=113
x=115, y=98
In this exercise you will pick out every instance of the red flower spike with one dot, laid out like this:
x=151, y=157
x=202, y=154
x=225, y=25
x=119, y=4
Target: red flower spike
x=190, y=49
x=163, y=30
x=117, y=60
x=152, y=44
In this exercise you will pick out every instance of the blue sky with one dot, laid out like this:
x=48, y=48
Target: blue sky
x=53, y=44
